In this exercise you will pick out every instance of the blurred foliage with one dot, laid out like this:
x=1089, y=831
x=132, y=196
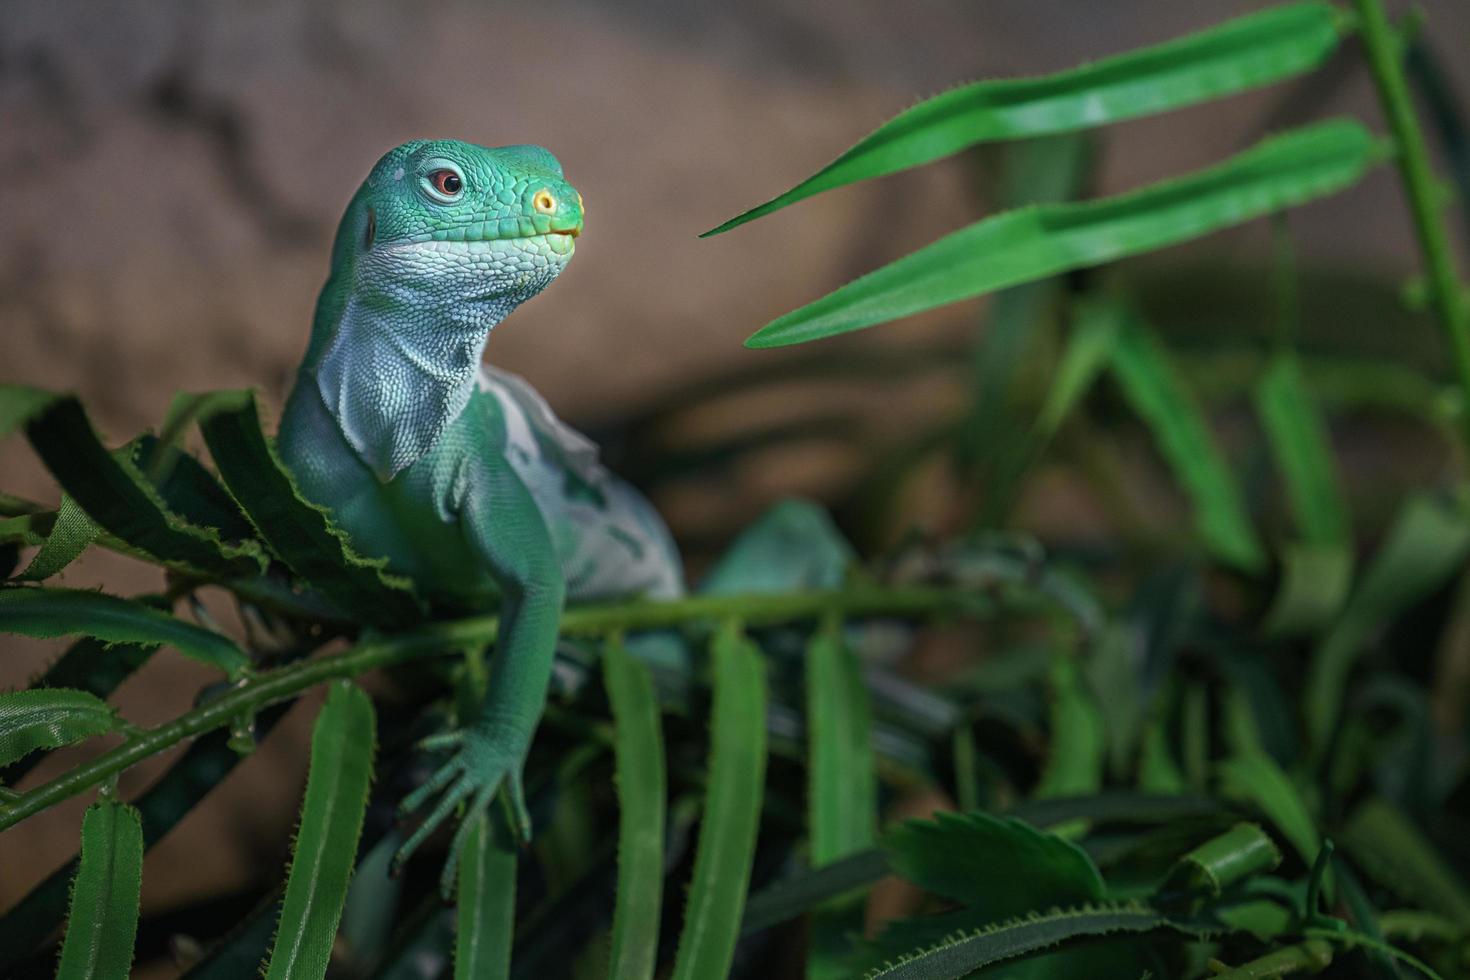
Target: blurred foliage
x=1224, y=733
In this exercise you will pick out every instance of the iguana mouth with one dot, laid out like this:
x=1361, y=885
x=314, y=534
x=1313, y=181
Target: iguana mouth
x=494, y=230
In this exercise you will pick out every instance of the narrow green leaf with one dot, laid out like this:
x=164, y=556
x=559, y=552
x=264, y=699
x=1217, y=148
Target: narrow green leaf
x=114, y=493
x=485, y=925
x=299, y=532
x=1298, y=438
x=997, y=866
x=1088, y=351
x=1037, y=242
x=103, y=920
x=1075, y=757
x=1426, y=545
x=727, y=835
x=1256, y=778
x=842, y=797
x=49, y=719
x=806, y=889
x=638, y=747
x=1235, y=56
x=49, y=612
x=342, y=748
x=1160, y=397
x=1242, y=851
x=1388, y=846
x=70, y=534
x=961, y=954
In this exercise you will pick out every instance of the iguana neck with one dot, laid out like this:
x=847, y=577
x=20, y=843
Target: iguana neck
x=397, y=363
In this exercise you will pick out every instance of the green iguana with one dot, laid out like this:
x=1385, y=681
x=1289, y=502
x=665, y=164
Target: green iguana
x=459, y=474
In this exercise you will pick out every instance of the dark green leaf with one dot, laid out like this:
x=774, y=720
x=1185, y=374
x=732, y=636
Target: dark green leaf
x=49, y=612
x=726, y=848
x=1241, y=54
x=997, y=866
x=48, y=719
x=1427, y=545
x=1034, y=243
x=342, y=748
x=487, y=903
x=300, y=533
x=842, y=796
x=1173, y=415
x=963, y=953
x=70, y=534
x=1388, y=846
x=638, y=746
x=103, y=920
x=114, y=493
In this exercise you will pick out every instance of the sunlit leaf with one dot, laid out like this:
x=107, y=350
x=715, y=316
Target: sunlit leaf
x=1235, y=56
x=343, y=742
x=103, y=920
x=726, y=848
x=1034, y=243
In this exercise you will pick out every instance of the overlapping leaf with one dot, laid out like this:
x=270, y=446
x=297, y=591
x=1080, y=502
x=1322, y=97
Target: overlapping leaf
x=1235, y=56
x=1034, y=243
x=103, y=920
x=49, y=719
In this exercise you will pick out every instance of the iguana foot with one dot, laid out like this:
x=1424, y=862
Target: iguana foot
x=484, y=761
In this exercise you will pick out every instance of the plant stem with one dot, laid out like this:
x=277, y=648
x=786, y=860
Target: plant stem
x=1311, y=955
x=1420, y=185
x=254, y=693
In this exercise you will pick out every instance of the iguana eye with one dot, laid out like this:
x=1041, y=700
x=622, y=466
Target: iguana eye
x=446, y=182
x=544, y=202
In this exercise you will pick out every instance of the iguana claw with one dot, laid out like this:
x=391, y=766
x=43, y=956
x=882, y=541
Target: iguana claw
x=482, y=764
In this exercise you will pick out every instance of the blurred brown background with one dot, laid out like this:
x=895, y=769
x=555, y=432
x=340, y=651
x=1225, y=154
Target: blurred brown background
x=174, y=172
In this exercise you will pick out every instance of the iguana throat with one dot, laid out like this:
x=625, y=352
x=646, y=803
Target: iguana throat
x=441, y=243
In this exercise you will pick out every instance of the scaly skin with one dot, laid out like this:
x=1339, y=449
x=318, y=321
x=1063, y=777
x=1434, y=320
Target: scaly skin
x=460, y=476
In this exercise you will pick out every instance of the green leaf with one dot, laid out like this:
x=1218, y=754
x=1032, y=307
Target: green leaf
x=1075, y=757
x=1299, y=444
x=49, y=719
x=299, y=532
x=1388, y=846
x=1314, y=583
x=1242, y=851
x=1041, y=241
x=342, y=747
x=638, y=747
x=114, y=493
x=487, y=903
x=103, y=920
x=997, y=866
x=842, y=796
x=1426, y=545
x=70, y=534
x=963, y=953
x=806, y=889
x=1235, y=56
x=49, y=612
x=1088, y=351
x=1160, y=397
x=727, y=835
x=1257, y=779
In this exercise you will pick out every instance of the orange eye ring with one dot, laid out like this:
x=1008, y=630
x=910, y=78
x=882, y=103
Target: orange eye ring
x=544, y=202
x=446, y=182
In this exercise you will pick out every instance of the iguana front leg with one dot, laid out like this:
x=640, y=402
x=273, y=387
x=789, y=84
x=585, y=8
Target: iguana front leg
x=505, y=528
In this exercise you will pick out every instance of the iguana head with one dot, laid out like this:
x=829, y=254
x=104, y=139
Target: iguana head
x=439, y=244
